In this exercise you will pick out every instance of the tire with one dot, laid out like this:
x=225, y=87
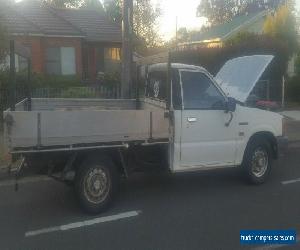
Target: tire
x=257, y=161
x=96, y=184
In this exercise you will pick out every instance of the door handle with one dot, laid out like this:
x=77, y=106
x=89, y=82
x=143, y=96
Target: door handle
x=191, y=119
x=230, y=120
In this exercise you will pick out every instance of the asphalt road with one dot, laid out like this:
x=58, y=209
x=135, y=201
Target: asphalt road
x=192, y=211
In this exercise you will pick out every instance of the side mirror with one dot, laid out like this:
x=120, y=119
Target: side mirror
x=231, y=104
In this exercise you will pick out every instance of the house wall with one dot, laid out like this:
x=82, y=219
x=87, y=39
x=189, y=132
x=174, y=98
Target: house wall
x=35, y=44
x=91, y=54
x=38, y=46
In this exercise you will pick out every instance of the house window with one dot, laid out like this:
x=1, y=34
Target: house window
x=113, y=54
x=21, y=63
x=112, y=59
x=60, y=61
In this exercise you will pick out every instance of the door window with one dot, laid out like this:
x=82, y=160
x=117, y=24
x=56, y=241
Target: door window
x=200, y=93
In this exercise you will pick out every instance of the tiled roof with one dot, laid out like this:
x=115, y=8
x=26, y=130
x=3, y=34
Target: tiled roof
x=95, y=25
x=34, y=18
x=14, y=23
x=224, y=30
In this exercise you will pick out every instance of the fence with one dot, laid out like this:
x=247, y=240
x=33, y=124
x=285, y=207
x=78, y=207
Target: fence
x=76, y=92
x=268, y=90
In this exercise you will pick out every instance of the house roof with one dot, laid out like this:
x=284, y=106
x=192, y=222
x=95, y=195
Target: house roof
x=35, y=18
x=226, y=30
x=95, y=25
x=15, y=23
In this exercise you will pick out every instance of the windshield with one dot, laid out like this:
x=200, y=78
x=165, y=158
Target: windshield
x=199, y=92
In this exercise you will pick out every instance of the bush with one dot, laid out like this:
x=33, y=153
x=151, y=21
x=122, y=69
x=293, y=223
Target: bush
x=78, y=93
x=52, y=81
x=293, y=89
x=40, y=80
x=109, y=79
x=243, y=44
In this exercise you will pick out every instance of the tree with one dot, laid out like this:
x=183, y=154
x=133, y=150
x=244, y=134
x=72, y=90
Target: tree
x=3, y=43
x=92, y=5
x=183, y=35
x=221, y=11
x=114, y=10
x=64, y=3
x=86, y=4
x=282, y=25
x=145, y=17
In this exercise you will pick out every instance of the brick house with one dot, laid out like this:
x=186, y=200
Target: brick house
x=64, y=41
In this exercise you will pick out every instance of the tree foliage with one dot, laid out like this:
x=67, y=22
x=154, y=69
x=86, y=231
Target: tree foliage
x=183, y=35
x=145, y=17
x=88, y=4
x=64, y=3
x=114, y=10
x=214, y=58
x=92, y=5
x=282, y=25
x=3, y=42
x=221, y=11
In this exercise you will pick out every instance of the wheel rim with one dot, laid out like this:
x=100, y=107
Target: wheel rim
x=96, y=185
x=260, y=161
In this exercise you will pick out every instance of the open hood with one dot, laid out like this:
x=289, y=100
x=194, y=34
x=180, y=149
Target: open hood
x=239, y=76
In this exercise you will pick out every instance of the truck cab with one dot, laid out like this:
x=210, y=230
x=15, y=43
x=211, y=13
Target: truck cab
x=211, y=126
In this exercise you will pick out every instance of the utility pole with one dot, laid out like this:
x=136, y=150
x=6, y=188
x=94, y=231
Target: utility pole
x=176, y=30
x=127, y=30
x=283, y=93
x=12, y=76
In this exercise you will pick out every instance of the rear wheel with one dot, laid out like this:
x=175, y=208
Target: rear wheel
x=257, y=161
x=96, y=185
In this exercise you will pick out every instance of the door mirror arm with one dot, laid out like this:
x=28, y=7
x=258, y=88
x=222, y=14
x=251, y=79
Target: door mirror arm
x=230, y=105
x=230, y=108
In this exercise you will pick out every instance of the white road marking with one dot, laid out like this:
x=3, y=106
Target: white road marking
x=83, y=223
x=271, y=247
x=290, y=181
x=24, y=180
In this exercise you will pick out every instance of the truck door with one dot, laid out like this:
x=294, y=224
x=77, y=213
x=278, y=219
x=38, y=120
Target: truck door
x=206, y=140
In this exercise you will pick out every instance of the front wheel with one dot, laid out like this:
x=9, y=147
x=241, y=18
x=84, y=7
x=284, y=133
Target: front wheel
x=257, y=161
x=96, y=185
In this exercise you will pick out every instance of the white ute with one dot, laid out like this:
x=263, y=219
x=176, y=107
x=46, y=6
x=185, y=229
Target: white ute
x=188, y=120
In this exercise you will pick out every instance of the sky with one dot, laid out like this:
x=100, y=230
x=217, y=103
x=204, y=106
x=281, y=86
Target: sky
x=186, y=13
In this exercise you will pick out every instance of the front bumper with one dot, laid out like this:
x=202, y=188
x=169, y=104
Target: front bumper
x=282, y=145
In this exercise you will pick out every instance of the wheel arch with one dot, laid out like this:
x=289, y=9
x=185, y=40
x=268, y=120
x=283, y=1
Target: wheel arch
x=271, y=139
x=113, y=155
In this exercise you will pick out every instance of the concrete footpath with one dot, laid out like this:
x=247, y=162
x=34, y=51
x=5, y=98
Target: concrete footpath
x=293, y=125
x=292, y=114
